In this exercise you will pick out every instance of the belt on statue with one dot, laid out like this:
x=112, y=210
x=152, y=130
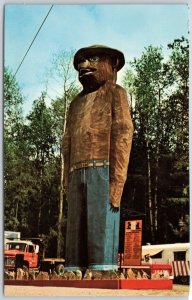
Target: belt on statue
x=87, y=164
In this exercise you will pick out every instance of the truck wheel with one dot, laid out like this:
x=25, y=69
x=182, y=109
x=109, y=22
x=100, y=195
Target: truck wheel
x=60, y=269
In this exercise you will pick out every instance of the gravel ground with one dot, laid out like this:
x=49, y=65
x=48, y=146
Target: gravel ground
x=9, y=290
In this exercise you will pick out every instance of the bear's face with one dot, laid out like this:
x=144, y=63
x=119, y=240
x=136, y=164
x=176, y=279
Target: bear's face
x=94, y=71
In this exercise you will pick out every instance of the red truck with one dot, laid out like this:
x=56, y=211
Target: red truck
x=27, y=255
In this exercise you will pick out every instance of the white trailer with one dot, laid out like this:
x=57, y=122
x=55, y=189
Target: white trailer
x=11, y=235
x=178, y=255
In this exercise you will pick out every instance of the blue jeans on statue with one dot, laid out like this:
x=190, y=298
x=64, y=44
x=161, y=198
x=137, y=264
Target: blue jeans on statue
x=92, y=238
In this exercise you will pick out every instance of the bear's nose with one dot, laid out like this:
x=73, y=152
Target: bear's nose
x=83, y=64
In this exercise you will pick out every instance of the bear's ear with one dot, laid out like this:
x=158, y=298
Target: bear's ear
x=115, y=62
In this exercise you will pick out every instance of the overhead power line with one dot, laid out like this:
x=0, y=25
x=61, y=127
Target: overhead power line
x=32, y=41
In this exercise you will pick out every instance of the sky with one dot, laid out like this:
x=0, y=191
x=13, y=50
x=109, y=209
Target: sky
x=127, y=27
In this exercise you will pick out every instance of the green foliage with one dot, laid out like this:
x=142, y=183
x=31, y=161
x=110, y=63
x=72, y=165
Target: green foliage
x=159, y=89
x=13, y=101
x=41, y=137
x=13, y=150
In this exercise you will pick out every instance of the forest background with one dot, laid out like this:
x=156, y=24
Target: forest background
x=157, y=185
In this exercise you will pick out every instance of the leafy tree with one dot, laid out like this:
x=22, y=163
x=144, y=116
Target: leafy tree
x=178, y=195
x=149, y=84
x=159, y=93
x=14, y=151
x=13, y=101
x=41, y=140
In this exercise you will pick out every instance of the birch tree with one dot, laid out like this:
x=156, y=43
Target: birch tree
x=62, y=78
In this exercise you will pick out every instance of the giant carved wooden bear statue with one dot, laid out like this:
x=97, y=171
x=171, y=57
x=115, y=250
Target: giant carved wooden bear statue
x=96, y=145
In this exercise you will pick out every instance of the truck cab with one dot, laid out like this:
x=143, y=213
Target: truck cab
x=25, y=249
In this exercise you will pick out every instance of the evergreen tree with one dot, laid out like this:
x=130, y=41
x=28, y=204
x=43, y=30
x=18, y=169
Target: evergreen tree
x=14, y=152
x=159, y=160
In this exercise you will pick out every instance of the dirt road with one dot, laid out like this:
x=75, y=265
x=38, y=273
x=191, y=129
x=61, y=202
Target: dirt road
x=178, y=290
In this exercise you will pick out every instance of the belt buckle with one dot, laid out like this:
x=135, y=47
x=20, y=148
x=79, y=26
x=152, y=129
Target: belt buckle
x=94, y=164
x=84, y=164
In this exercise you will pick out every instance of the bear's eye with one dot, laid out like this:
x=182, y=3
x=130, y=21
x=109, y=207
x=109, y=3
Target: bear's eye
x=94, y=58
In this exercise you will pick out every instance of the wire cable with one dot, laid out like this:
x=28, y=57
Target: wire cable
x=32, y=42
